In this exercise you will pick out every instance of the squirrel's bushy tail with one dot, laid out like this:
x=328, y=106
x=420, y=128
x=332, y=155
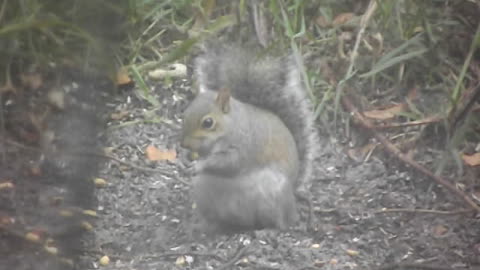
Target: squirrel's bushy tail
x=271, y=83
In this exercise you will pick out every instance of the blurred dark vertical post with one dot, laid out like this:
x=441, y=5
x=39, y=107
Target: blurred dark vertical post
x=56, y=58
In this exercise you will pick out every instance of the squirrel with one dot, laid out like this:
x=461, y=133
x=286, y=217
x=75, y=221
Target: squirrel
x=252, y=126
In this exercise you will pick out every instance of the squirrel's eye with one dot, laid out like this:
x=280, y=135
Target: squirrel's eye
x=208, y=123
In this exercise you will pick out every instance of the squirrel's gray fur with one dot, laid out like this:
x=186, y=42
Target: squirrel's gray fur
x=273, y=84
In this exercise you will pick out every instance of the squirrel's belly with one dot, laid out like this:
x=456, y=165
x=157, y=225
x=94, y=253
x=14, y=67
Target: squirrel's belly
x=245, y=203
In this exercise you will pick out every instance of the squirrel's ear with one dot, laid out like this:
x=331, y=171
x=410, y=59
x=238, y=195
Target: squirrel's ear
x=223, y=99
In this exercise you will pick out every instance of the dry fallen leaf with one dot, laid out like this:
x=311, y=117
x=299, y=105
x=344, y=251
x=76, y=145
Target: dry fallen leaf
x=35, y=170
x=322, y=22
x=32, y=80
x=155, y=154
x=440, y=230
x=6, y=221
x=472, y=160
x=391, y=112
x=386, y=113
x=122, y=77
x=343, y=18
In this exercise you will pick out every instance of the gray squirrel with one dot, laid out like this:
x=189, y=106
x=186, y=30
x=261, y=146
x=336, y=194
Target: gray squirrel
x=252, y=126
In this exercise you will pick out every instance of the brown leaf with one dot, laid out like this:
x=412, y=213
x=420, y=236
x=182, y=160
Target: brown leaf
x=472, y=160
x=35, y=170
x=155, y=154
x=32, y=80
x=122, y=77
x=385, y=114
x=342, y=18
x=322, y=22
x=6, y=221
x=440, y=230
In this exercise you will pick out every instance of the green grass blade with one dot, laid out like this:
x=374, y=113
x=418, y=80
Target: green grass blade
x=391, y=62
x=143, y=87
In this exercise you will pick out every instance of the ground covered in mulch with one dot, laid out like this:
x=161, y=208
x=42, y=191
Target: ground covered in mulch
x=66, y=204
x=363, y=218
x=146, y=217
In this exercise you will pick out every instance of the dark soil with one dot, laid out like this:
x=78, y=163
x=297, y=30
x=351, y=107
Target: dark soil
x=146, y=221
